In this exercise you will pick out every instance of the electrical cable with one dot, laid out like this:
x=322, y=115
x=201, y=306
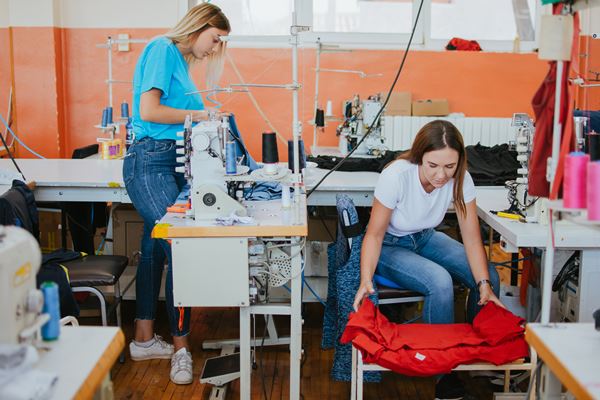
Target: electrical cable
x=10, y=154
x=376, y=119
x=18, y=140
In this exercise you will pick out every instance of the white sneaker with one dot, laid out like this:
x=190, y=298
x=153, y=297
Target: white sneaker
x=181, y=367
x=158, y=349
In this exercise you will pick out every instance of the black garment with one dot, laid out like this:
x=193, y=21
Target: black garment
x=491, y=166
x=355, y=163
x=51, y=270
x=449, y=387
x=17, y=207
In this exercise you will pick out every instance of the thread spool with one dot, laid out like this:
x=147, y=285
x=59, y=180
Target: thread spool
x=575, y=180
x=593, y=192
x=594, y=146
x=104, y=118
x=124, y=110
x=270, y=154
x=51, y=329
x=328, y=109
x=110, y=115
x=286, y=196
x=319, y=118
x=230, y=158
x=301, y=154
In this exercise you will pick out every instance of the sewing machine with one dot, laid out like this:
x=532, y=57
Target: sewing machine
x=358, y=117
x=520, y=200
x=22, y=303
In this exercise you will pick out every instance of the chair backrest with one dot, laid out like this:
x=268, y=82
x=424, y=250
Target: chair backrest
x=84, y=152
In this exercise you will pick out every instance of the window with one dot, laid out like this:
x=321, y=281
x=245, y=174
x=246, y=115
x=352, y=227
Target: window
x=384, y=23
x=481, y=19
x=258, y=17
x=362, y=16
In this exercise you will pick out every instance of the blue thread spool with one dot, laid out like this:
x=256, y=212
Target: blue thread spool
x=110, y=115
x=124, y=110
x=104, y=117
x=51, y=329
x=230, y=158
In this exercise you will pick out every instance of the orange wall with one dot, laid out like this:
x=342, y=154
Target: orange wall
x=65, y=91
x=4, y=74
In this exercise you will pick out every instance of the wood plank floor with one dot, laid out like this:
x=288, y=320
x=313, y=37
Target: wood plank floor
x=150, y=379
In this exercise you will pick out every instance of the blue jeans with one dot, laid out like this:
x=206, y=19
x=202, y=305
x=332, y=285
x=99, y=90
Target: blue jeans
x=153, y=185
x=427, y=262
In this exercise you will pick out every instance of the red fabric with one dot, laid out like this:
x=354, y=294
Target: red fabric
x=496, y=336
x=543, y=107
x=463, y=44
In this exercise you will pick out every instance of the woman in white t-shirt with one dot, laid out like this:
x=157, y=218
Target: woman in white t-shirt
x=411, y=199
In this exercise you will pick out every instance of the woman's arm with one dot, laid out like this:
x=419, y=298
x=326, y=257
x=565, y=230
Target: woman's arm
x=152, y=111
x=371, y=249
x=469, y=229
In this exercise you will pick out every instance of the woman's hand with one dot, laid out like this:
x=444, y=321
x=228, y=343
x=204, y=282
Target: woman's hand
x=365, y=289
x=208, y=114
x=487, y=294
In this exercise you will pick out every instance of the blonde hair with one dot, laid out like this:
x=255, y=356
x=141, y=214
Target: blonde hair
x=197, y=20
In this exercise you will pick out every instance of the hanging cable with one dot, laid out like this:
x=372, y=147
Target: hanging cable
x=376, y=119
x=10, y=153
x=18, y=140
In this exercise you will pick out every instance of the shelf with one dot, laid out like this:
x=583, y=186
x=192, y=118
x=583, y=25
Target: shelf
x=575, y=215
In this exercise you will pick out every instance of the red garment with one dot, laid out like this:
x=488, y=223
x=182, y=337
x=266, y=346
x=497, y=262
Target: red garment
x=543, y=107
x=496, y=336
x=463, y=44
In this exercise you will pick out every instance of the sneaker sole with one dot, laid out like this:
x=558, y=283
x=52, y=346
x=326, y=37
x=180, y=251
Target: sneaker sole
x=155, y=357
x=187, y=382
x=451, y=398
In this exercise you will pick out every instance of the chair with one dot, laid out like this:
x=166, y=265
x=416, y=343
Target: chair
x=344, y=279
x=85, y=274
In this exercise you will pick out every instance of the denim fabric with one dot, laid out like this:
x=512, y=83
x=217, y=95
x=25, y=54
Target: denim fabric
x=153, y=185
x=427, y=262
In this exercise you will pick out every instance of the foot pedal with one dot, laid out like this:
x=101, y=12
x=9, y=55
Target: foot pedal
x=221, y=370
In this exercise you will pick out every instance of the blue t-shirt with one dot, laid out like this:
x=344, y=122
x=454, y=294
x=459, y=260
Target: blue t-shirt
x=162, y=66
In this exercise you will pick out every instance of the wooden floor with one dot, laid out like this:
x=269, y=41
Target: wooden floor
x=150, y=379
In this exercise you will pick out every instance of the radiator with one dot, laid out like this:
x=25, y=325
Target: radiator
x=400, y=131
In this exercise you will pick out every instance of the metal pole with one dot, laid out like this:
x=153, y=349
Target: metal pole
x=557, y=127
x=295, y=123
x=110, y=92
x=317, y=70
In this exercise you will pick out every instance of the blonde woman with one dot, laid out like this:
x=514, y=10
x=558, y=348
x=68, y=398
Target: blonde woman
x=160, y=105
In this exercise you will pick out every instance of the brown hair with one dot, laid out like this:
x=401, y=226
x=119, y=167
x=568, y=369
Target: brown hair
x=197, y=20
x=437, y=135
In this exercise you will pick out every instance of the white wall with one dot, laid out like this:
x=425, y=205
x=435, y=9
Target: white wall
x=4, y=17
x=590, y=21
x=33, y=12
x=120, y=13
x=92, y=13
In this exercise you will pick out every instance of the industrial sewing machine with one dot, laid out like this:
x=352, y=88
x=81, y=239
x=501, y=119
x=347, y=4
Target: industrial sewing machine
x=358, y=117
x=216, y=190
x=21, y=302
x=519, y=199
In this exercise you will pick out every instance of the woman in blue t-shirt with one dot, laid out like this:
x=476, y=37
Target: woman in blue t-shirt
x=411, y=198
x=160, y=105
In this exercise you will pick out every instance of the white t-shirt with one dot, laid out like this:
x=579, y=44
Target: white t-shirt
x=399, y=188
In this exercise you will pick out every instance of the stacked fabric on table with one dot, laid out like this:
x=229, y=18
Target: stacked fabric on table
x=496, y=336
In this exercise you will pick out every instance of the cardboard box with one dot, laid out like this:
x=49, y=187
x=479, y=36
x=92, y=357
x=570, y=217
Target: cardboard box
x=400, y=104
x=128, y=227
x=430, y=107
x=50, y=230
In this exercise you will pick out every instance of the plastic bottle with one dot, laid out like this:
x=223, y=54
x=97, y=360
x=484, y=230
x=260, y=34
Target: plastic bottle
x=129, y=135
x=51, y=329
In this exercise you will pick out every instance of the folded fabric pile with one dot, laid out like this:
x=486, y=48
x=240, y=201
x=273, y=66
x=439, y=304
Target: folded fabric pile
x=496, y=336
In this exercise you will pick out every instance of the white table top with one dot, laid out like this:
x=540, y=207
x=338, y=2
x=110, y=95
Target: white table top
x=567, y=234
x=82, y=356
x=72, y=180
x=572, y=352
